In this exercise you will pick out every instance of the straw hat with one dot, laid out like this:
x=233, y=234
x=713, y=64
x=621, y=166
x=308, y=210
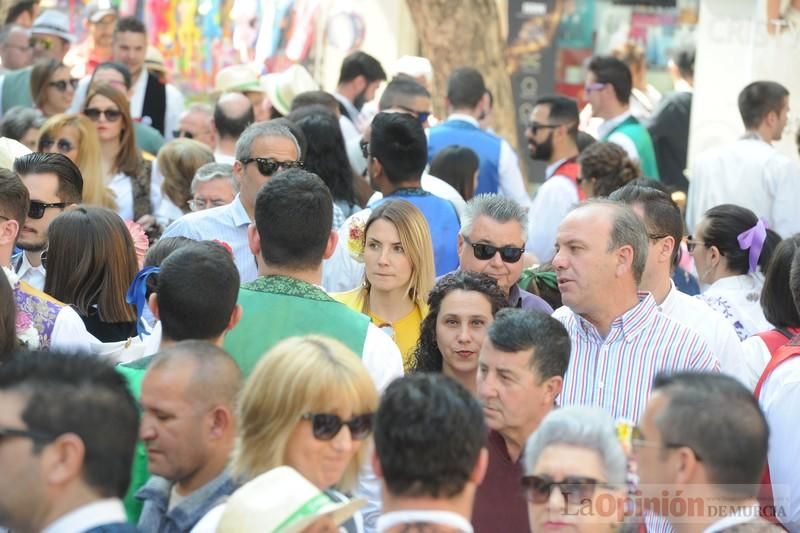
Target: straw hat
x=153, y=60
x=282, y=87
x=281, y=501
x=9, y=151
x=237, y=78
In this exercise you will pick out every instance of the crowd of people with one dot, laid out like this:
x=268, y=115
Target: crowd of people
x=311, y=311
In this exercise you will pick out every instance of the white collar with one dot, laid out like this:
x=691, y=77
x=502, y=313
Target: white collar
x=606, y=127
x=26, y=265
x=747, y=282
x=466, y=118
x=683, y=86
x=670, y=300
x=552, y=167
x=745, y=513
x=89, y=516
x=444, y=518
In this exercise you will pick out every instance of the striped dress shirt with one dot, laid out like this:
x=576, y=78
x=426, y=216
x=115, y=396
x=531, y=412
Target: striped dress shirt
x=617, y=372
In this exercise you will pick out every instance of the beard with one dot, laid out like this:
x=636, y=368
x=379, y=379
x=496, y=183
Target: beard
x=360, y=99
x=34, y=244
x=543, y=151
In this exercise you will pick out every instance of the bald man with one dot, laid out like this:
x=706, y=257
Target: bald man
x=188, y=426
x=197, y=123
x=232, y=114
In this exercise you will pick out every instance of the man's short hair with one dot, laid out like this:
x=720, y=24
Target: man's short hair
x=429, y=433
x=465, y=88
x=294, y=215
x=662, y=216
x=14, y=197
x=499, y=208
x=760, y=98
x=70, y=180
x=610, y=70
x=197, y=290
x=130, y=24
x=301, y=143
x=84, y=395
x=399, y=92
x=729, y=433
x=213, y=171
x=309, y=98
x=361, y=64
x=232, y=126
x=563, y=110
x=683, y=57
x=257, y=130
x=516, y=330
x=399, y=143
x=18, y=120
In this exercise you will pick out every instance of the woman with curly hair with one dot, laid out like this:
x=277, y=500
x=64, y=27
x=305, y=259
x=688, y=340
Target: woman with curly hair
x=605, y=167
x=461, y=306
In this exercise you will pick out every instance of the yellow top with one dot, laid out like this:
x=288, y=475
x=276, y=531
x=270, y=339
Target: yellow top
x=404, y=332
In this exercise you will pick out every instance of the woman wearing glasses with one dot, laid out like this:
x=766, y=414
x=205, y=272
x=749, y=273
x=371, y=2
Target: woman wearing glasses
x=52, y=87
x=575, y=472
x=395, y=247
x=732, y=249
x=462, y=306
x=75, y=136
x=308, y=404
x=178, y=162
x=124, y=169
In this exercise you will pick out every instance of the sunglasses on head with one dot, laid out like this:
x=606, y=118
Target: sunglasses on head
x=326, y=426
x=484, y=252
x=112, y=115
x=61, y=85
x=575, y=489
x=37, y=208
x=62, y=145
x=268, y=166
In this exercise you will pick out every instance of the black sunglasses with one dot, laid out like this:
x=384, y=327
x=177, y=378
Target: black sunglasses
x=180, y=133
x=422, y=116
x=575, y=489
x=112, y=115
x=691, y=244
x=484, y=252
x=364, y=148
x=37, y=208
x=326, y=425
x=535, y=126
x=37, y=436
x=268, y=166
x=62, y=145
x=61, y=85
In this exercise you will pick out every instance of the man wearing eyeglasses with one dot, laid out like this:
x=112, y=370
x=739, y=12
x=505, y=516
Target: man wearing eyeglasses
x=16, y=51
x=67, y=431
x=196, y=123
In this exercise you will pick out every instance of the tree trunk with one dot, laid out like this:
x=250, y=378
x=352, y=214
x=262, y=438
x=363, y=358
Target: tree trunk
x=456, y=33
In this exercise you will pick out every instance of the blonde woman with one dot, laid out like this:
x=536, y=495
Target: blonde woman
x=75, y=136
x=308, y=404
x=398, y=273
x=178, y=161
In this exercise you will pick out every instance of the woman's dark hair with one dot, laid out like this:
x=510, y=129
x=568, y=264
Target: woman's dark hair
x=723, y=225
x=427, y=357
x=457, y=166
x=608, y=166
x=326, y=155
x=776, y=300
x=41, y=74
x=119, y=67
x=8, y=314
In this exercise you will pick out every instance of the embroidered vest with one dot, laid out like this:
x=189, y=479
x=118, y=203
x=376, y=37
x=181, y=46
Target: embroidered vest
x=483, y=143
x=278, y=307
x=41, y=308
x=631, y=128
x=155, y=103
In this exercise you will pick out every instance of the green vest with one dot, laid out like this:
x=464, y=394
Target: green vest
x=278, y=307
x=17, y=89
x=148, y=139
x=134, y=374
x=631, y=128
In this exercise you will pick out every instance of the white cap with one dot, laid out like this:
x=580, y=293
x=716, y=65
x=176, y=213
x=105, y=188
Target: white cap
x=9, y=151
x=52, y=22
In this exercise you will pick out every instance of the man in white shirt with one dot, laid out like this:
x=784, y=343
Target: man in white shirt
x=700, y=466
x=359, y=78
x=662, y=219
x=552, y=135
x=750, y=172
x=67, y=433
x=422, y=481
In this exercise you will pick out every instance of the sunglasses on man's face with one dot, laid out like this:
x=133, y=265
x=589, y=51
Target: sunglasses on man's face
x=422, y=116
x=326, y=426
x=268, y=166
x=112, y=115
x=62, y=145
x=61, y=85
x=37, y=208
x=484, y=252
x=47, y=44
x=575, y=489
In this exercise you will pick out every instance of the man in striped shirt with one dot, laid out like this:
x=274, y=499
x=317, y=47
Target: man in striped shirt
x=620, y=340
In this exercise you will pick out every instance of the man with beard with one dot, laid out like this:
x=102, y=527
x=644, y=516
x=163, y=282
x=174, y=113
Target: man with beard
x=552, y=136
x=359, y=78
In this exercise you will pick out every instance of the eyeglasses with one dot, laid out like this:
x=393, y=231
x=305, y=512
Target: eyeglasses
x=198, y=204
x=364, y=148
x=591, y=87
x=484, y=252
x=422, y=116
x=37, y=436
x=47, y=44
x=187, y=134
x=326, y=425
x=112, y=115
x=535, y=126
x=37, y=209
x=638, y=441
x=62, y=145
x=691, y=244
x=268, y=166
x=657, y=237
x=61, y=85
x=575, y=489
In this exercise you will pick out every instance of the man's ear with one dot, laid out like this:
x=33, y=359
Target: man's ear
x=376, y=463
x=330, y=248
x=152, y=303
x=481, y=465
x=236, y=316
x=624, y=260
x=253, y=239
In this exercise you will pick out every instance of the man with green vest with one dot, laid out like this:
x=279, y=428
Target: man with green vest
x=290, y=238
x=608, y=90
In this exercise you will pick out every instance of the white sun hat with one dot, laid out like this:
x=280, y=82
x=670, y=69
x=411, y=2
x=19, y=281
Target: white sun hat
x=282, y=87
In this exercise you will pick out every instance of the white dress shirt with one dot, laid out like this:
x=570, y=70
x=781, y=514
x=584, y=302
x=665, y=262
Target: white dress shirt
x=33, y=276
x=95, y=514
x=552, y=202
x=219, y=157
x=412, y=516
x=751, y=173
x=122, y=186
x=620, y=139
x=69, y=333
x=348, y=122
x=738, y=299
x=712, y=328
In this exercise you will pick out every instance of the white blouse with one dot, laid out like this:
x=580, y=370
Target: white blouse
x=738, y=298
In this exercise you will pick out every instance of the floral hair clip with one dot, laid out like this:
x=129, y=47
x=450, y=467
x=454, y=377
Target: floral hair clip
x=356, y=239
